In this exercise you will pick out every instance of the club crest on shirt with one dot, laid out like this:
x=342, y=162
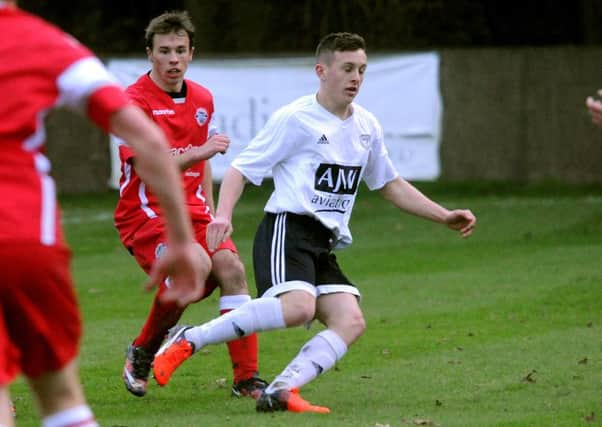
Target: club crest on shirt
x=201, y=116
x=365, y=140
x=159, y=250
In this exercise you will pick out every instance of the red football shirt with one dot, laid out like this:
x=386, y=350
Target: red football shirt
x=41, y=68
x=185, y=121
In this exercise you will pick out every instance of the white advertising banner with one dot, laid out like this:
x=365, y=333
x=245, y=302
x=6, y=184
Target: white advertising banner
x=401, y=90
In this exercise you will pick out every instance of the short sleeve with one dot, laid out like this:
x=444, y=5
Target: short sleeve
x=379, y=169
x=272, y=144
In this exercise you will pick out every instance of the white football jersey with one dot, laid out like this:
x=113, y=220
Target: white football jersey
x=317, y=161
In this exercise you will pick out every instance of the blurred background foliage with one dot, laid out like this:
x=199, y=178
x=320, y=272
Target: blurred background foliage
x=256, y=27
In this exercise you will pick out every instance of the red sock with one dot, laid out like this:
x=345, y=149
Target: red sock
x=161, y=317
x=243, y=354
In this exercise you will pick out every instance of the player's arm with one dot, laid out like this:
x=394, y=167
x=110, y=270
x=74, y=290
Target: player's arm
x=207, y=184
x=184, y=261
x=217, y=143
x=409, y=199
x=230, y=191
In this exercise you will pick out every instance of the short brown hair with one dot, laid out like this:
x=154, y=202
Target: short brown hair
x=339, y=42
x=169, y=22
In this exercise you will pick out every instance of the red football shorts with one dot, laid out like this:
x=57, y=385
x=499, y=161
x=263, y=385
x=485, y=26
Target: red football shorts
x=40, y=325
x=149, y=241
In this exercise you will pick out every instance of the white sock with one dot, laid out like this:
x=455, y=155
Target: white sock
x=257, y=315
x=318, y=355
x=231, y=302
x=80, y=416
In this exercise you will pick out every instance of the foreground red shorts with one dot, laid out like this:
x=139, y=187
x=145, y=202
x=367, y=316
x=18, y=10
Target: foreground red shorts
x=40, y=325
x=149, y=241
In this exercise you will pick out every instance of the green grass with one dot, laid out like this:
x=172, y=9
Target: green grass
x=502, y=329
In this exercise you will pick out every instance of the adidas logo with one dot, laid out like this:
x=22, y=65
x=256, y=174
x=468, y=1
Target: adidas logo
x=323, y=140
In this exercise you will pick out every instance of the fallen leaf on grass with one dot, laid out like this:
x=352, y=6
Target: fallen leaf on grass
x=530, y=377
x=423, y=422
x=590, y=418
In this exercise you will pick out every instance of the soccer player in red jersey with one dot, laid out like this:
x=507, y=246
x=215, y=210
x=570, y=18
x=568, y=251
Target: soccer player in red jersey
x=184, y=110
x=40, y=324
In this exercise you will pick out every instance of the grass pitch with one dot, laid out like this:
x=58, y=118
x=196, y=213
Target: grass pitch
x=502, y=329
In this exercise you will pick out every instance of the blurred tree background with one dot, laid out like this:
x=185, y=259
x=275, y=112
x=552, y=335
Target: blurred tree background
x=258, y=27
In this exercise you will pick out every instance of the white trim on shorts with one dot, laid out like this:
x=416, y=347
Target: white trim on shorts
x=334, y=289
x=315, y=291
x=293, y=285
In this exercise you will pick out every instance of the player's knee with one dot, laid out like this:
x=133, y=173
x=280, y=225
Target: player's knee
x=230, y=273
x=205, y=262
x=350, y=326
x=298, y=307
x=357, y=325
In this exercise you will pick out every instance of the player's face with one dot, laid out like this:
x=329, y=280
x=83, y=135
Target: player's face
x=171, y=54
x=343, y=76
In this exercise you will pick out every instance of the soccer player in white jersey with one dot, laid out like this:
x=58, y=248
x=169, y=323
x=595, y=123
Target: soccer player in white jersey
x=317, y=149
x=40, y=324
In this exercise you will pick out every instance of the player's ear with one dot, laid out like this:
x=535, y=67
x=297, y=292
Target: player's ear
x=149, y=53
x=320, y=71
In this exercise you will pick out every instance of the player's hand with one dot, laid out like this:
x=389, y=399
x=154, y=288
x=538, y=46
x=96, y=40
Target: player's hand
x=218, y=230
x=461, y=220
x=595, y=109
x=184, y=266
x=218, y=143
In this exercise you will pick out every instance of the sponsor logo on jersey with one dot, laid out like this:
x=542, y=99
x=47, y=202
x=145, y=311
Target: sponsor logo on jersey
x=323, y=140
x=176, y=151
x=201, y=116
x=337, y=179
x=330, y=203
x=165, y=112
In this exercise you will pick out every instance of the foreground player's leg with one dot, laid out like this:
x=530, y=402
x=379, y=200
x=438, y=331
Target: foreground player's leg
x=6, y=407
x=61, y=400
